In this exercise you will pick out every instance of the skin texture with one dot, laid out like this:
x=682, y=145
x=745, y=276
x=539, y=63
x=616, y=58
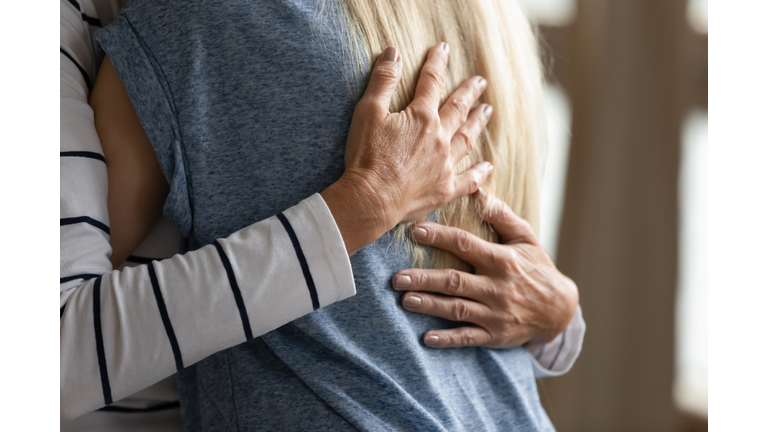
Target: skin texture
x=516, y=294
x=399, y=166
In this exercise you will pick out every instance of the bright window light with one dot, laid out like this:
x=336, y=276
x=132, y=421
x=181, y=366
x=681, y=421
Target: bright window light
x=558, y=112
x=691, y=362
x=698, y=15
x=551, y=12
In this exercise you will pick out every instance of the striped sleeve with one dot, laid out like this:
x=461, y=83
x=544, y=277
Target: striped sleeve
x=126, y=330
x=123, y=330
x=557, y=357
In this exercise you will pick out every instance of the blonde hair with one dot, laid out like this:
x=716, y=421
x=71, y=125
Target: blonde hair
x=490, y=38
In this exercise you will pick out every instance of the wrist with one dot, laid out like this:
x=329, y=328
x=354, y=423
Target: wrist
x=362, y=213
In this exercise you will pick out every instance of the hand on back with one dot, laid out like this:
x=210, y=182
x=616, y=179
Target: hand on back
x=408, y=157
x=516, y=294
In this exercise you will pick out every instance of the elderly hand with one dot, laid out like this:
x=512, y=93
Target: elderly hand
x=399, y=166
x=516, y=295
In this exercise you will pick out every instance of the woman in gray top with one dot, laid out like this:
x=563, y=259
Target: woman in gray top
x=247, y=105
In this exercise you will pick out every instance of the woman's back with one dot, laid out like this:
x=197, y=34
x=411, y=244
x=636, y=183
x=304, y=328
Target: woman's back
x=247, y=104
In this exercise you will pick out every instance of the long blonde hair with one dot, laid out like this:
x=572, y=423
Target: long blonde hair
x=491, y=38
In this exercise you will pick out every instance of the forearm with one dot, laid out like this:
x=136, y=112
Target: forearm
x=155, y=319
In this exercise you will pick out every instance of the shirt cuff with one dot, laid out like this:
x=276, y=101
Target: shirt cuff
x=557, y=357
x=324, y=248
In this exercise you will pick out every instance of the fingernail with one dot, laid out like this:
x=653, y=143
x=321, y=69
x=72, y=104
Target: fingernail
x=488, y=168
x=402, y=281
x=389, y=54
x=431, y=340
x=444, y=47
x=411, y=301
x=487, y=110
x=418, y=233
x=481, y=83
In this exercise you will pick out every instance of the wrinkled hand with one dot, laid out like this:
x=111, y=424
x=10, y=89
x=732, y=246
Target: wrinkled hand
x=408, y=157
x=398, y=167
x=516, y=295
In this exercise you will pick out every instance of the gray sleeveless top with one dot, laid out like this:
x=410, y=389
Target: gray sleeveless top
x=247, y=104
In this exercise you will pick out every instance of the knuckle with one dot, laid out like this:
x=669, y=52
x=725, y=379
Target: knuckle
x=463, y=241
x=460, y=311
x=427, y=304
x=456, y=283
x=474, y=182
x=463, y=136
x=385, y=74
x=461, y=107
x=435, y=78
x=468, y=338
x=508, y=262
x=420, y=280
x=444, y=144
x=426, y=117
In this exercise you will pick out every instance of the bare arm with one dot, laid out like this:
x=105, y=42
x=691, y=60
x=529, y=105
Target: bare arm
x=137, y=186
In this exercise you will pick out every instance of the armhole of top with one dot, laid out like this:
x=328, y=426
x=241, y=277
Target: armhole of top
x=150, y=95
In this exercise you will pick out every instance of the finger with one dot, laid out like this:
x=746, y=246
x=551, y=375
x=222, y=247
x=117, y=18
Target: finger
x=455, y=110
x=450, y=308
x=511, y=227
x=463, y=140
x=458, y=337
x=444, y=281
x=431, y=82
x=470, y=180
x=464, y=245
x=384, y=78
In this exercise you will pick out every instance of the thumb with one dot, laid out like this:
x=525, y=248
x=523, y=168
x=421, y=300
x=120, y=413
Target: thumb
x=511, y=227
x=385, y=76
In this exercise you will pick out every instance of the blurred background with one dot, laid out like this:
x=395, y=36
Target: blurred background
x=624, y=207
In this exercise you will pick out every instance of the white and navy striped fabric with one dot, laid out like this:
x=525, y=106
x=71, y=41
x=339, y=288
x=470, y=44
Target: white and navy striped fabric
x=124, y=330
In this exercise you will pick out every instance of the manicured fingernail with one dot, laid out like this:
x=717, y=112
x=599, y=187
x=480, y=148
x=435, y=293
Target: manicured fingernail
x=402, y=281
x=488, y=167
x=431, y=340
x=411, y=301
x=389, y=54
x=419, y=233
x=481, y=83
x=487, y=110
x=444, y=47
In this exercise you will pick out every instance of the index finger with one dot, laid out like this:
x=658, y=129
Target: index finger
x=431, y=81
x=464, y=245
x=449, y=282
x=511, y=227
